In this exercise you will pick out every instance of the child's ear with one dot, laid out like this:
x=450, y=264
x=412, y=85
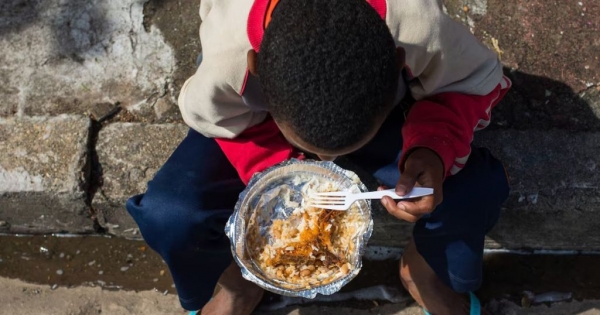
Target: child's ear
x=401, y=57
x=253, y=62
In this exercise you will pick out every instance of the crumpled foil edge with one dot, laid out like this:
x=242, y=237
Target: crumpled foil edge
x=234, y=232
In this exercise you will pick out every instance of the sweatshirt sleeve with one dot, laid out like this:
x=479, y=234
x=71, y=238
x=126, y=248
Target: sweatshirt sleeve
x=257, y=149
x=446, y=122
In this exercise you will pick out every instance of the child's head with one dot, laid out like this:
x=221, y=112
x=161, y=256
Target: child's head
x=329, y=70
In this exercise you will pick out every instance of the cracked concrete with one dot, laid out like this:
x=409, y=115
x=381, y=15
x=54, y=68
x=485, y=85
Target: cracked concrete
x=129, y=154
x=96, y=58
x=43, y=174
x=64, y=56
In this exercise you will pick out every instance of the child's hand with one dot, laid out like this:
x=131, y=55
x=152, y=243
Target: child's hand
x=424, y=168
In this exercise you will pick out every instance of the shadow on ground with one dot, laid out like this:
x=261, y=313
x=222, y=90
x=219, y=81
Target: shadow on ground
x=79, y=27
x=179, y=21
x=16, y=15
x=541, y=103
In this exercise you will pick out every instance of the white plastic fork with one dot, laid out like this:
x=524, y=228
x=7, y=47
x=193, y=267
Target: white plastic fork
x=342, y=200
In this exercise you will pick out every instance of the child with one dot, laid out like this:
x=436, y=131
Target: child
x=280, y=78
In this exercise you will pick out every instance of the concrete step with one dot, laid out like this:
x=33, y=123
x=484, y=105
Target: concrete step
x=44, y=181
x=555, y=178
x=43, y=175
x=554, y=203
x=129, y=155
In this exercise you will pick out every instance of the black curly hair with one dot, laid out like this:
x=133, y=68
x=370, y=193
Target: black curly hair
x=328, y=69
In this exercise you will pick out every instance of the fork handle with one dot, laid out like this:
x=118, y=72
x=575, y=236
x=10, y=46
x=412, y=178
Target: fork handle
x=414, y=193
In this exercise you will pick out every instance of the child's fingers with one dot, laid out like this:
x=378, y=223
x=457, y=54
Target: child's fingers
x=392, y=207
x=418, y=207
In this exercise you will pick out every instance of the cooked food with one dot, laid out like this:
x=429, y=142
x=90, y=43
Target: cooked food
x=310, y=246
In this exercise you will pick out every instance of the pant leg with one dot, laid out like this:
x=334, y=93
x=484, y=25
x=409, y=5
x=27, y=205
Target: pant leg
x=183, y=213
x=451, y=238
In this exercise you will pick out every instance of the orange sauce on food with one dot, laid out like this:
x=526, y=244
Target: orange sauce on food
x=314, y=246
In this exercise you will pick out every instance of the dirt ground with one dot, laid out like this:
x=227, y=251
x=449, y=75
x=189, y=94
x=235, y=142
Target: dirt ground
x=18, y=297
x=94, y=274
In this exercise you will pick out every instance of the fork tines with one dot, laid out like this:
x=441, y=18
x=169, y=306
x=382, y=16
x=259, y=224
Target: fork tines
x=327, y=200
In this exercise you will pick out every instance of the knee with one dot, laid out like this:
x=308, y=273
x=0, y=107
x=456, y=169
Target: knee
x=169, y=222
x=163, y=219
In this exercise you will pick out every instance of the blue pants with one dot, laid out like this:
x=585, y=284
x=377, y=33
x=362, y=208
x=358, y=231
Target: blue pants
x=184, y=210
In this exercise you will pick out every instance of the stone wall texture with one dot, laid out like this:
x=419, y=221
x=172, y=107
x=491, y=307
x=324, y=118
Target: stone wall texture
x=88, y=114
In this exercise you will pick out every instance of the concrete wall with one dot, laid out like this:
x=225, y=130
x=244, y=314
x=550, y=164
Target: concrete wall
x=88, y=114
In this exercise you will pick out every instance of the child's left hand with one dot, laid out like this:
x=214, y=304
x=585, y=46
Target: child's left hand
x=424, y=168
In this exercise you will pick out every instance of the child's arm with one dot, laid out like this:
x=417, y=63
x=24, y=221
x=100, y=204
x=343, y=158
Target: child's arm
x=257, y=149
x=455, y=79
x=446, y=122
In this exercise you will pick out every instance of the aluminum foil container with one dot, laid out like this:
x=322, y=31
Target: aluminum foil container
x=263, y=190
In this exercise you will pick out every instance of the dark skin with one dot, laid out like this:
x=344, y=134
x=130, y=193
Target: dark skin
x=423, y=167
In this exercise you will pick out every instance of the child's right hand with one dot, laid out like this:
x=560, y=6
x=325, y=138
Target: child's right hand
x=424, y=168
